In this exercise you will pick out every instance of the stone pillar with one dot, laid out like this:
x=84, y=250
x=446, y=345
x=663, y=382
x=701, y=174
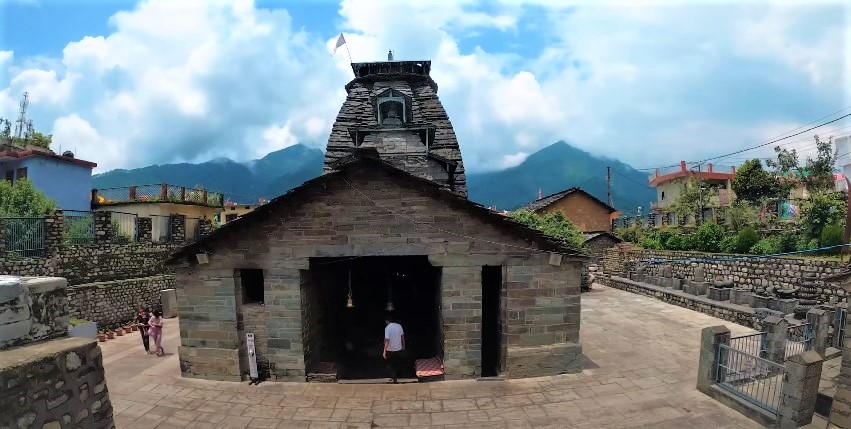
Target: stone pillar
x=777, y=330
x=800, y=388
x=837, y=340
x=462, y=308
x=103, y=227
x=54, y=233
x=818, y=320
x=710, y=338
x=144, y=229
x=205, y=226
x=178, y=228
x=840, y=412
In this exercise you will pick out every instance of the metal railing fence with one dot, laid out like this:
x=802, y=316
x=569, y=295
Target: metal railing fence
x=799, y=339
x=839, y=327
x=160, y=229
x=124, y=227
x=79, y=227
x=754, y=379
x=752, y=344
x=193, y=228
x=25, y=236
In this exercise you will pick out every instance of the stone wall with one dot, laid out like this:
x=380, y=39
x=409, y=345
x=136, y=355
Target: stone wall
x=31, y=309
x=754, y=274
x=331, y=219
x=54, y=384
x=738, y=314
x=113, y=303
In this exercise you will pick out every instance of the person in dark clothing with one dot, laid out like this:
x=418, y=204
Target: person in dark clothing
x=394, y=344
x=142, y=317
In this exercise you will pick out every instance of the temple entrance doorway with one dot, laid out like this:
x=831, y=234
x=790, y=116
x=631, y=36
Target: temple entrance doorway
x=345, y=302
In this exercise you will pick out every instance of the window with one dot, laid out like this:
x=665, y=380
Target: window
x=252, y=286
x=663, y=195
x=21, y=174
x=230, y=217
x=10, y=175
x=391, y=110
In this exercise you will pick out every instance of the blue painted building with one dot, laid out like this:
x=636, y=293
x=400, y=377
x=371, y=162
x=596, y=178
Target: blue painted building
x=65, y=179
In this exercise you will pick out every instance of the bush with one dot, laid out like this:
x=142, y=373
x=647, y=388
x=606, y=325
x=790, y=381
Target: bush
x=79, y=230
x=832, y=235
x=708, y=237
x=766, y=246
x=554, y=225
x=730, y=244
x=651, y=242
x=632, y=234
x=677, y=242
x=746, y=239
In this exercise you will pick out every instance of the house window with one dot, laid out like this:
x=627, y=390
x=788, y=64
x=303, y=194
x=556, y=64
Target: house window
x=21, y=174
x=230, y=217
x=663, y=195
x=252, y=286
x=10, y=175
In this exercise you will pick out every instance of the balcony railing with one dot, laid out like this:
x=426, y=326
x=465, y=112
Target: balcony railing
x=163, y=193
x=684, y=169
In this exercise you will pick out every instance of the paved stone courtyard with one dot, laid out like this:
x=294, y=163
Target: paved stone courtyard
x=640, y=372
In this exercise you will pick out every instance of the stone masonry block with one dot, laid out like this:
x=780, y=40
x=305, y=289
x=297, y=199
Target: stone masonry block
x=717, y=294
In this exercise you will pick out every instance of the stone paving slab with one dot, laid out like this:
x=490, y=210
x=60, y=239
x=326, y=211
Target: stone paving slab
x=640, y=372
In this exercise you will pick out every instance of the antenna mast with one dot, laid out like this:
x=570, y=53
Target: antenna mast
x=23, y=126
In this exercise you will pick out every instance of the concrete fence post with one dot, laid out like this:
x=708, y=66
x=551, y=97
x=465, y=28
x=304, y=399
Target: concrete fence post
x=144, y=229
x=818, y=320
x=178, y=228
x=710, y=338
x=777, y=330
x=800, y=388
x=54, y=233
x=840, y=411
x=3, y=248
x=103, y=227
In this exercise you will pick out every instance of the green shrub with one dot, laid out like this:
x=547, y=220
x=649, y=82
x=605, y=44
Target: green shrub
x=651, y=243
x=676, y=242
x=730, y=244
x=552, y=224
x=708, y=237
x=787, y=242
x=766, y=246
x=118, y=235
x=746, y=239
x=832, y=235
x=79, y=230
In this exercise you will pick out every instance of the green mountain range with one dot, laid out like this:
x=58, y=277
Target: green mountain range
x=552, y=169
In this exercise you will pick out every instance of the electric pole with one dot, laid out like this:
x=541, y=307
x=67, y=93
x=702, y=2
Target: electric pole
x=609, y=185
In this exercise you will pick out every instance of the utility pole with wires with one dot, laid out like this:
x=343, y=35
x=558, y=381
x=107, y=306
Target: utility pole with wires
x=609, y=185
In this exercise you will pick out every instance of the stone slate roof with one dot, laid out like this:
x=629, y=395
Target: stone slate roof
x=550, y=199
x=543, y=241
x=592, y=235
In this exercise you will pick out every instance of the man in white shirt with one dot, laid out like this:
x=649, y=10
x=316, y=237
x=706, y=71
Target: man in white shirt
x=394, y=343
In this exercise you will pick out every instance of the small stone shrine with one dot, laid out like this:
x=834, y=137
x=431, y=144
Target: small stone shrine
x=49, y=380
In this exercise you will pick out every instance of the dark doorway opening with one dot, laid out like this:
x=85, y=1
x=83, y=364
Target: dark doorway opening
x=491, y=321
x=349, y=333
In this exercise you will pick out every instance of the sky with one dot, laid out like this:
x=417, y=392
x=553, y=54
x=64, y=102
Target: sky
x=131, y=83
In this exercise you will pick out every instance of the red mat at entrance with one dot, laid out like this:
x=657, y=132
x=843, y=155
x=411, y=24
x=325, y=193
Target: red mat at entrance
x=429, y=367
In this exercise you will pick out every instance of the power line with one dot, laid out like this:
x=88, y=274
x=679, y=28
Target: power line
x=773, y=141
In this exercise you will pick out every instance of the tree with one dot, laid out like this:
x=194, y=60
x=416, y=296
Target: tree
x=753, y=184
x=739, y=216
x=554, y=225
x=34, y=138
x=24, y=200
x=822, y=209
x=694, y=195
x=816, y=174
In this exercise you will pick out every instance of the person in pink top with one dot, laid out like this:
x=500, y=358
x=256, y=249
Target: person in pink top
x=156, y=331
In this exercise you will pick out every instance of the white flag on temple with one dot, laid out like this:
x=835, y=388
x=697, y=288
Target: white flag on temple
x=340, y=42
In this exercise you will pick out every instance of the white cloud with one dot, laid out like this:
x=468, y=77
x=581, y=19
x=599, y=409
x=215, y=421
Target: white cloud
x=196, y=80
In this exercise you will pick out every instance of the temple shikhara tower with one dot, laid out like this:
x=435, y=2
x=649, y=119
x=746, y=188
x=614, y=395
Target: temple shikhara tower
x=392, y=107
x=386, y=231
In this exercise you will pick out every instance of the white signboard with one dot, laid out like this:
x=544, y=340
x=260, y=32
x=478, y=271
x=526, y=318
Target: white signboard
x=252, y=356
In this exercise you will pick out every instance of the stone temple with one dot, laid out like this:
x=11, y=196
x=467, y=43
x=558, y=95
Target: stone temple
x=387, y=228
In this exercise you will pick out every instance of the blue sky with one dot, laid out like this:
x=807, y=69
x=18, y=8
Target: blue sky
x=648, y=83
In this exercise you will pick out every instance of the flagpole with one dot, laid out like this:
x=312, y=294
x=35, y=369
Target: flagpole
x=349, y=52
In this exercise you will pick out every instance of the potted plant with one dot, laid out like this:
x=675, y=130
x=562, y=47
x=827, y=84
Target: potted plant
x=110, y=335
x=128, y=329
x=119, y=332
x=134, y=327
x=101, y=336
x=82, y=328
